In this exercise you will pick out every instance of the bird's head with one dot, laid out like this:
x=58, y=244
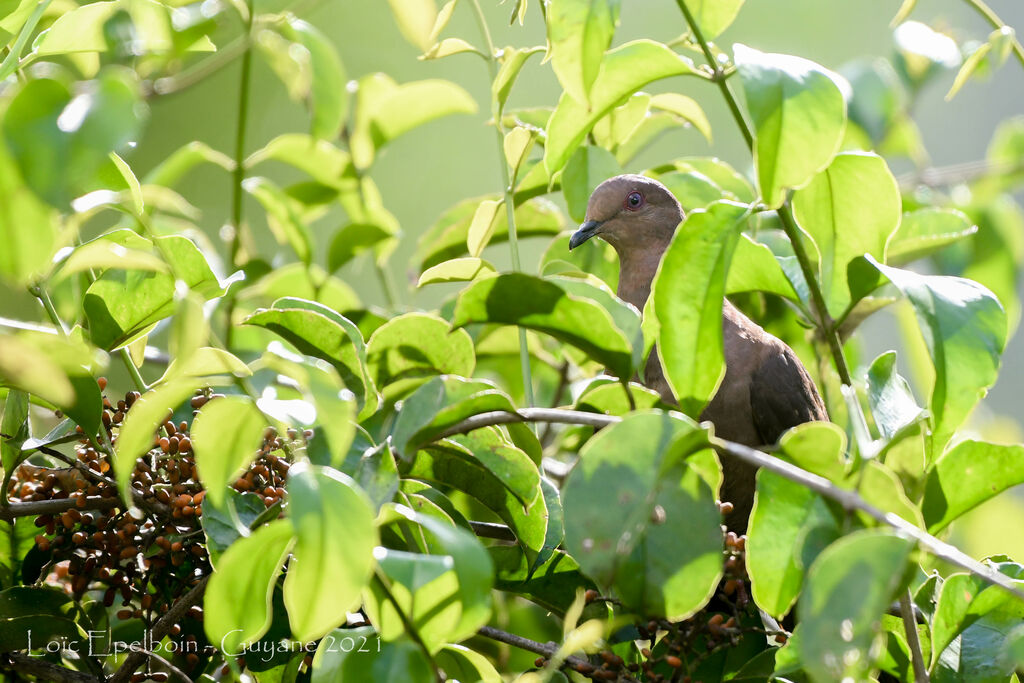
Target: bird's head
x=630, y=211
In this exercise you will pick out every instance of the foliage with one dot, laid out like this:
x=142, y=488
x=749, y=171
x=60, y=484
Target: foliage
x=301, y=486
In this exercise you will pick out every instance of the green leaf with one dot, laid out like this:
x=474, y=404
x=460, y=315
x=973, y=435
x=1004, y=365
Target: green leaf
x=799, y=113
x=56, y=369
x=964, y=327
x=386, y=110
x=512, y=62
x=353, y=239
x=319, y=159
x=456, y=270
x=447, y=239
x=328, y=96
x=182, y=160
x=481, y=228
x=121, y=305
x=847, y=591
x=588, y=167
x=623, y=71
x=441, y=403
x=789, y=526
x=686, y=299
x=208, y=362
x=761, y=271
x=60, y=140
x=579, y=31
x=226, y=438
x=963, y=602
x=925, y=231
x=415, y=19
x=26, y=252
x=341, y=657
x=411, y=347
x=892, y=403
x=693, y=190
x=527, y=301
x=850, y=209
x=283, y=216
x=108, y=251
x=138, y=431
x=333, y=556
x=662, y=549
x=714, y=16
x=607, y=397
x=461, y=663
x=491, y=480
x=238, y=598
x=966, y=476
x=319, y=331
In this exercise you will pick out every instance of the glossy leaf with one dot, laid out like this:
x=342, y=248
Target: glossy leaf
x=966, y=476
x=481, y=228
x=447, y=239
x=623, y=71
x=122, y=304
x=761, y=271
x=327, y=94
x=456, y=270
x=333, y=556
x=588, y=167
x=410, y=348
x=661, y=551
x=238, y=597
x=226, y=437
x=847, y=590
x=686, y=299
x=964, y=327
x=283, y=216
x=579, y=31
x=925, y=231
x=798, y=111
x=685, y=108
x=519, y=299
x=892, y=403
x=850, y=209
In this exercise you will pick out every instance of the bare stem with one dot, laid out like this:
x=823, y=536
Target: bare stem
x=913, y=641
x=545, y=649
x=995, y=22
x=410, y=628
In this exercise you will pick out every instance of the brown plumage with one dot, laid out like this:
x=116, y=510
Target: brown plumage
x=766, y=389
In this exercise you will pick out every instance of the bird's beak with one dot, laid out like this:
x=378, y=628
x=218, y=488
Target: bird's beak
x=586, y=231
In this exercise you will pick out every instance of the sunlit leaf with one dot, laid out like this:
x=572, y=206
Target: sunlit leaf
x=226, y=437
x=714, y=16
x=333, y=556
x=26, y=252
x=579, y=31
x=283, y=216
x=968, y=475
x=415, y=19
x=925, y=231
x=588, y=167
x=798, y=111
x=238, y=597
x=456, y=270
x=481, y=228
x=396, y=661
x=686, y=299
x=411, y=348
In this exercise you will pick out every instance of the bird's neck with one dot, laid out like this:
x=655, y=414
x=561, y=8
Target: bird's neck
x=637, y=268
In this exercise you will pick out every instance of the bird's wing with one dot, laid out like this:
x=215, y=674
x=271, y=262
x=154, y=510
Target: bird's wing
x=782, y=395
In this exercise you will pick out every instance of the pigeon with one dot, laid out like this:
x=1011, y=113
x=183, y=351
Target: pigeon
x=766, y=389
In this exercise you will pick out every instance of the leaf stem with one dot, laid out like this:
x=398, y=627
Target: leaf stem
x=508, y=193
x=410, y=628
x=995, y=22
x=826, y=324
x=51, y=311
x=913, y=641
x=11, y=61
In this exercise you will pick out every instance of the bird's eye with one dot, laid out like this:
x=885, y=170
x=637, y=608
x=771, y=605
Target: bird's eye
x=634, y=200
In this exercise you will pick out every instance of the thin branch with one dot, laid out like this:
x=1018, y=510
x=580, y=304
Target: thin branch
x=160, y=629
x=545, y=649
x=849, y=500
x=913, y=641
x=955, y=174
x=170, y=667
x=52, y=507
x=25, y=664
x=498, y=532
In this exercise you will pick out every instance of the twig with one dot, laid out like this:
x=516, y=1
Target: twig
x=25, y=664
x=170, y=667
x=498, y=532
x=160, y=629
x=546, y=649
x=50, y=507
x=913, y=641
x=849, y=500
x=954, y=174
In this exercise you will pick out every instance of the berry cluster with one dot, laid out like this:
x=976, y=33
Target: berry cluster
x=147, y=554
